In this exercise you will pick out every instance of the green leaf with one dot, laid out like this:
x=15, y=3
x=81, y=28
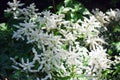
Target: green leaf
x=117, y=29
x=3, y=27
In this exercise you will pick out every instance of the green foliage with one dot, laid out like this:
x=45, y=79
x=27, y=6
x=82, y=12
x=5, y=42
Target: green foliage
x=73, y=10
x=10, y=48
x=112, y=36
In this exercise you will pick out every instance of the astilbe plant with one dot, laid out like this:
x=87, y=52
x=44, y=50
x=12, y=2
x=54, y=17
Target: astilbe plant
x=62, y=50
x=111, y=21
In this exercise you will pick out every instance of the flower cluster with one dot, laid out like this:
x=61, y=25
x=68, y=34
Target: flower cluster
x=106, y=18
x=61, y=47
x=111, y=21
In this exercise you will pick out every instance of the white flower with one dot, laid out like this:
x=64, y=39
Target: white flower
x=94, y=42
x=105, y=18
x=26, y=66
x=23, y=30
x=70, y=36
x=111, y=14
x=101, y=16
x=98, y=59
x=57, y=44
x=51, y=20
x=36, y=55
x=114, y=14
x=117, y=17
x=18, y=35
x=15, y=4
x=90, y=26
x=14, y=8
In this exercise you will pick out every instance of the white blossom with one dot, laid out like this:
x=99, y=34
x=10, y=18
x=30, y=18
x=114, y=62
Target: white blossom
x=105, y=18
x=98, y=59
x=57, y=44
x=14, y=8
x=101, y=16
